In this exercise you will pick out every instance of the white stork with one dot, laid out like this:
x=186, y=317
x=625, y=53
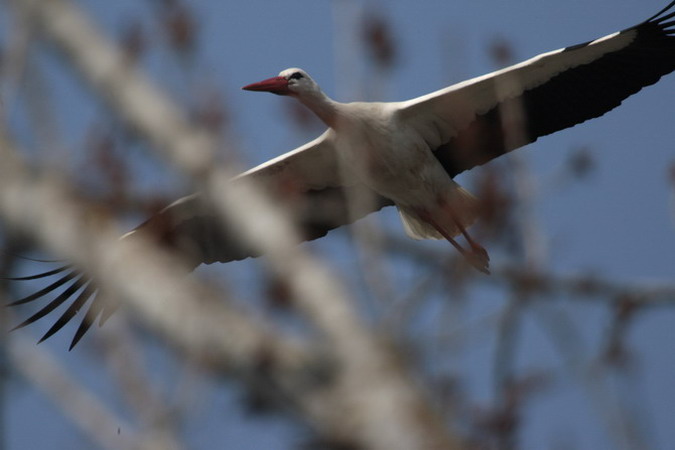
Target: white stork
x=404, y=153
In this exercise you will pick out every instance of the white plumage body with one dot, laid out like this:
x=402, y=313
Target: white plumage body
x=395, y=160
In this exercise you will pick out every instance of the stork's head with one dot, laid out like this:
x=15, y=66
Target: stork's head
x=289, y=82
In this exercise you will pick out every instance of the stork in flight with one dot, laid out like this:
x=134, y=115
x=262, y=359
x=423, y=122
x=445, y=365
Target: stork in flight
x=402, y=153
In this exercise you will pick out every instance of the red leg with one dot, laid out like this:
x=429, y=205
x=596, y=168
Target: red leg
x=477, y=257
x=476, y=248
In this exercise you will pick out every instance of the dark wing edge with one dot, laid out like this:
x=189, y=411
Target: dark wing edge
x=79, y=288
x=573, y=96
x=204, y=239
x=190, y=228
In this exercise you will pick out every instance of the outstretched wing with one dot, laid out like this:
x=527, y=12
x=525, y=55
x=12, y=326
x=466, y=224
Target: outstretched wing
x=308, y=180
x=475, y=121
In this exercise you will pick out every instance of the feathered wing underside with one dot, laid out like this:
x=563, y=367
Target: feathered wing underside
x=308, y=180
x=313, y=165
x=473, y=122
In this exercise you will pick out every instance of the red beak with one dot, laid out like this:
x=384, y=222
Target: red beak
x=276, y=85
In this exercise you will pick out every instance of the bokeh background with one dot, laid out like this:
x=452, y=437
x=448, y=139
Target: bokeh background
x=519, y=369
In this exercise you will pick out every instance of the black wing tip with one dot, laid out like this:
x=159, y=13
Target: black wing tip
x=78, y=335
x=19, y=326
x=82, y=329
x=40, y=275
x=88, y=292
x=79, y=290
x=47, y=290
x=659, y=16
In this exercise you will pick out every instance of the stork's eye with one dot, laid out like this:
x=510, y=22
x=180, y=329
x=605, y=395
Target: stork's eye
x=296, y=76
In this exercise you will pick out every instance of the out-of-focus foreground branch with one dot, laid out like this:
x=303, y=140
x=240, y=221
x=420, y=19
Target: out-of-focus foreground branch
x=81, y=406
x=577, y=286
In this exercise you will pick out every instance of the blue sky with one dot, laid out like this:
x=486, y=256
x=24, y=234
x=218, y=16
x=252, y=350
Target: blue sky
x=619, y=223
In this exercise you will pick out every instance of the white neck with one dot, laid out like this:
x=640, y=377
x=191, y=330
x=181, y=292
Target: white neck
x=327, y=109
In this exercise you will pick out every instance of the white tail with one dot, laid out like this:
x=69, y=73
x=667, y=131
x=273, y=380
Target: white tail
x=463, y=205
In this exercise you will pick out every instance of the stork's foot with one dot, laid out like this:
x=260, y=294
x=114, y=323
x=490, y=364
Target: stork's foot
x=479, y=250
x=478, y=257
